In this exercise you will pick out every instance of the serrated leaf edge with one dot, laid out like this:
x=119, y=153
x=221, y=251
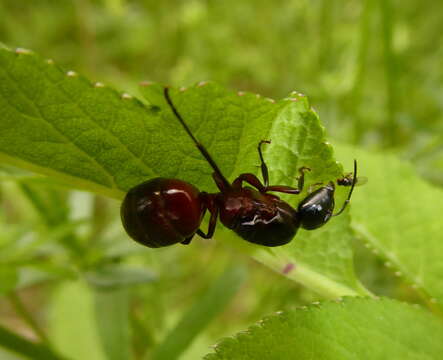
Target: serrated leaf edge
x=314, y=306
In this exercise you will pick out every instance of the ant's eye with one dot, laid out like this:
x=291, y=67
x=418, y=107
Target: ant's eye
x=316, y=209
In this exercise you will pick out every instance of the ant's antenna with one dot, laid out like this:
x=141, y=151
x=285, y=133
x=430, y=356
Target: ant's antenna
x=354, y=181
x=199, y=145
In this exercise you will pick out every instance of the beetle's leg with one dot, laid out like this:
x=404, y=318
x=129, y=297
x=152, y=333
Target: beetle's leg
x=213, y=209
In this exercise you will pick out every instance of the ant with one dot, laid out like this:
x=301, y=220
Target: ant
x=162, y=212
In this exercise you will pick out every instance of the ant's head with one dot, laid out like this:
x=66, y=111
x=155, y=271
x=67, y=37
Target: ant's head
x=317, y=208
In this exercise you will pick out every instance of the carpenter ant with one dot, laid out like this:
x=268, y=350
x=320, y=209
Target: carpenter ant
x=162, y=212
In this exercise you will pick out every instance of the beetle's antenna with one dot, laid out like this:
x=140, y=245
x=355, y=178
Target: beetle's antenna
x=354, y=181
x=200, y=147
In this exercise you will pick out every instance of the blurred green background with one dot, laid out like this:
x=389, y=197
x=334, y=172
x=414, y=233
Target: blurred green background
x=372, y=69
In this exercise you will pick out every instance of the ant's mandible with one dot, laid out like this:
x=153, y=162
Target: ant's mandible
x=162, y=212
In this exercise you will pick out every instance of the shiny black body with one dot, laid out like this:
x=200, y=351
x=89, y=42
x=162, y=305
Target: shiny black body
x=162, y=212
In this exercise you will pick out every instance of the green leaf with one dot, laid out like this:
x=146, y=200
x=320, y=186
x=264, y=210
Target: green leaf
x=321, y=260
x=115, y=276
x=50, y=203
x=205, y=309
x=59, y=124
x=399, y=216
x=72, y=328
x=357, y=328
x=8, y=279
x=91, y=137
x=153, y=92
x=112, y=316
x=230, y=125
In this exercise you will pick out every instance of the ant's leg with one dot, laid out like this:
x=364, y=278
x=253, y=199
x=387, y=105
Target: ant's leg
x=205, y=200
x=284, y=189
x=348, y=199
x=213, y=209
x=254, y=181
x=290, y=189
x=280, y=188
x=251, y=179
x=301, y=178
x=187, y=240
x=264, y=168
x=219, y=181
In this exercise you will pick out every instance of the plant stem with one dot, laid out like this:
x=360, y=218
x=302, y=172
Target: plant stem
x=22, y=346
x=27, y=317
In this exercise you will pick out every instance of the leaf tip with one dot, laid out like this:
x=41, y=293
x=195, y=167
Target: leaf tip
x=202, y=83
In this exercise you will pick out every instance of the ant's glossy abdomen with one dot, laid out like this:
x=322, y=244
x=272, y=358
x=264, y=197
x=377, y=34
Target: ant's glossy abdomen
x=162, y=212
x=259, y=218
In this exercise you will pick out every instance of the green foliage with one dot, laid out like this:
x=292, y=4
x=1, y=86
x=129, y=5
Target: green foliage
x=352, y=329
x=24, y=347
x=90, y=136
x=321, y=260
x=112, y=309
x=69, y=278
x=200, y=314
x=398, y=215
x=230, y=124
x=61, y=124
x=72, y=325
